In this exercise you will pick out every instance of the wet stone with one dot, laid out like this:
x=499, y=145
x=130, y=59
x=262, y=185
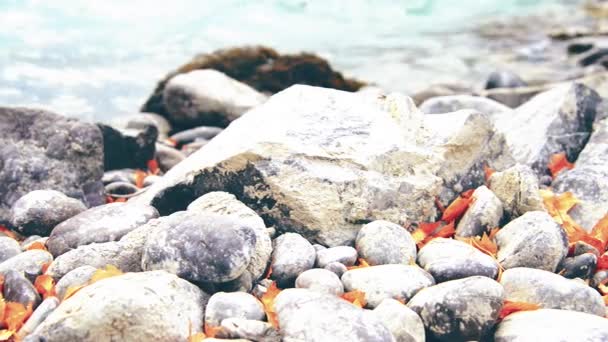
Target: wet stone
x=76, y=277
x=483, y=214
x=581, y=247
x=19, y=289
x=120, y=188
x=320, y=280
x=28, y=263
x=504, y=79
x=223, y=305
x=581, y=266
x=292, y=255
x=9, y=247
x=233, y=328
x=38, y=316
x=551, y=291
x=337, y=268
x=201, y=248
x=399, y=282
x=459, y=310
x=105, y=223
x=192, y=134
x=343, y=254
x=448, y=259
x=39, y=211
x=532, y=240
x=122, y=175
x=403, y=322
x=382, y=242
x=167, y=157
x=128, y=148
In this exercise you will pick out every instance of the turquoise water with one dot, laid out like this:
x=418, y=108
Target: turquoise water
x=99, y=58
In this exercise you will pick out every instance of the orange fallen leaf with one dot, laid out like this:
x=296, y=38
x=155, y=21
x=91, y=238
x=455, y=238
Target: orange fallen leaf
x=36, y=245
x=361, y=263
x=45, y=285
x=15, y=314
x=139, y=176
x=558, y=205
x=600, y=231
x=510, y=307
x=107, y=272
x=424, y=229
x=8, y=232
x=46, y=266
x=198, y=337
x=153, y=166
x=356, y=297
x=1, y=286
x=482, y=243
x=6, y=334
x=268, y=303
x=605, y=300
x=211, y=331
x=401, y=300
x=109, y=199
x=268, y=273
x=603, y=287
x=602, y=262
x=446, y=231
x=2, y=311
x=457, y=208
x=488, y=172
x=71, y=290
x=171, y=142
x=439, y=205
x=558, y=162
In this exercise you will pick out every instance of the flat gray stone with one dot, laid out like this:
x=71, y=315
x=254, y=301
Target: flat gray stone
x=38, y=316
x=167, y=157
x=223, y=305
x=551, y=291
x=452, y=103
x=9, y=247
x=252, y=330
x=460, y=310
x=338, y=268
x=518, y=190
x=28, y=263
x=448, y=259
x=403, y=322
x=483, y=214
x=382, y=242
x=321, y=280
x=387, y=281
x=105, y=223
x=345, y=255
x=532, y=240
x=291, y=256
x=76, y=277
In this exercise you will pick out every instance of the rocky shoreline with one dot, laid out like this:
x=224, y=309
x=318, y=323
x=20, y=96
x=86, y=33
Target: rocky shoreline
x=266, y=197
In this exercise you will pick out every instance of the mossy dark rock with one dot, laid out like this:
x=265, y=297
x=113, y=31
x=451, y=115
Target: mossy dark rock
x=262, y=68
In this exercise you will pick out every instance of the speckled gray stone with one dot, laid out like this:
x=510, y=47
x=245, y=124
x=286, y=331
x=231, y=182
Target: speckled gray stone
x=144, y=306
x=29, y=263
x=104, y=223
x=291, y=256
x=18, y=289
x=167, y=157
x=448, y=259
x=345, y=255
x=321, y=280
x=532, y=240
x=201, y=132
x=76, y=277
x=517, y=188
x=382, y=242
x=233, y=328
x=38, y=316
x=39, y=211
x=581, y=266
x=201, y=248
x=459, y=310
x=551, y=291
x=552, y=325
x=9, y=247
x=306, y=315
x=403, y=322
x=387, y=281
x=483, y=214
x=337, y=268
x=224, y=305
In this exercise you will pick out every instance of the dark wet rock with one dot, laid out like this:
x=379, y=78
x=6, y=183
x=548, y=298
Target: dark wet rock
x=448, y=104
x=387, y=281
x=460, y=310
x=403, y=322
x=201, y=248
x=504, y=79
x=579, y=47
x=262, y=68
x=39, y=211
x=532, y=240
x=345, y=255
x=291, y=255
x=74, y=278
x=382, y=242
x=28, y=263
x=38, y=316
x=9, y=247
x=222, y=203
x=587, y=181
x=448, y=259
x=233, y=328
x=128, y=148
x=42, y=150
x=121, y=188
x=197, y=133
x=596, y=56
x=483, y=214
x=552, y=325
x=141, y=121
x=581, y=247
x=105, y=223
x=320, y=280
x=599, y=278
x=306, y=315
x=167, y=157
x=337, y=268
x=122, y=175
x=512, y=97
x=555, y=121
x=160, y=307
x=244, y=283
x=517, y=188
x=224, y=305
x=207, y=98
x=580, y=266
x=19, y=289
x=551, y=291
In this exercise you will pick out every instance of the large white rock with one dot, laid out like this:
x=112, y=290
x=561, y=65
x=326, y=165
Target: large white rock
x=322, y=162
x=147, y=306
